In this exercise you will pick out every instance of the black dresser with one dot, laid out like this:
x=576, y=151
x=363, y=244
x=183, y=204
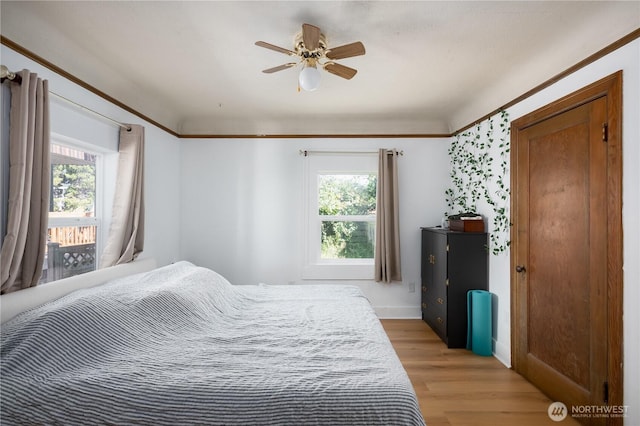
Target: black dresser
x=452, y=264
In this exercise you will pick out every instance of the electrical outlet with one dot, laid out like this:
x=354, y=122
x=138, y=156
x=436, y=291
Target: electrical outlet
x=412, y=287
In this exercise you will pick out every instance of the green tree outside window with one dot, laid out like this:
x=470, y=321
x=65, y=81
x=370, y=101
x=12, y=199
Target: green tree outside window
x=347, y=206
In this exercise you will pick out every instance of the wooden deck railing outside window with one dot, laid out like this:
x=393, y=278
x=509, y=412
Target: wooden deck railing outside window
x=71, y=250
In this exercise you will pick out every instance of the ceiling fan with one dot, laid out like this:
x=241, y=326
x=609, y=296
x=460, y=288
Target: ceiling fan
x=311, y=48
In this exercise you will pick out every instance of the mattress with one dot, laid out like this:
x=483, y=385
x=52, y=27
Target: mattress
x=181, y=345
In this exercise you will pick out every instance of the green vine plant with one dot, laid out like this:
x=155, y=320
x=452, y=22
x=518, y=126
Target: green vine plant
x=479, y=166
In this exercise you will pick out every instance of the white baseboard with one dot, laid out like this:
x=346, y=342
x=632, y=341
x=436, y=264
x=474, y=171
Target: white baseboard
x=502, y=353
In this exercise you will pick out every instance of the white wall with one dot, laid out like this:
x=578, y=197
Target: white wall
x=237, y=203
x=627, y=59
x=242, y=209
x=248, y=193
x=162, y=175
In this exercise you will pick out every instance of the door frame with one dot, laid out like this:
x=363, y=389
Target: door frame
x=611, y=88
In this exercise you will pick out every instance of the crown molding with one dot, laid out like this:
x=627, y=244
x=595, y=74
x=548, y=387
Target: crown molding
x=598, y=55
x=45, y=63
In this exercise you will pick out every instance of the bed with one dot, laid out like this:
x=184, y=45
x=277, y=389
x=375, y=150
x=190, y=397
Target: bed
x=181, y=345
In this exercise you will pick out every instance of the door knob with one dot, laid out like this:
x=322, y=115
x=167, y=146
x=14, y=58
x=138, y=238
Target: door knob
x=521, y=268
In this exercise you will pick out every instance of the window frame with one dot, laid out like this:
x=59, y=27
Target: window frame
x=314, y=266
x=98, y=219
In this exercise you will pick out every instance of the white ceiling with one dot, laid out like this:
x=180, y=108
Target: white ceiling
x=431, y=67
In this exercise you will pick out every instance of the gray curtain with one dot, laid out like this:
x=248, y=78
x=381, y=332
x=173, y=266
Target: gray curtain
x=387, y=256
x=126, y=234
x=23, y=247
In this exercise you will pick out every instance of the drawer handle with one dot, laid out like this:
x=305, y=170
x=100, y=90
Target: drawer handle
x=440, y=301
x=440, y=320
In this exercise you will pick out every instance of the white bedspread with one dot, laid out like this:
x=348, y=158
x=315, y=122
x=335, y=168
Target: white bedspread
x=180, y=345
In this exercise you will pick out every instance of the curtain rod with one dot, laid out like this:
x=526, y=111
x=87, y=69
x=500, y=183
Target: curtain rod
x=77, y=105
x=12, y=76
x=306, y=153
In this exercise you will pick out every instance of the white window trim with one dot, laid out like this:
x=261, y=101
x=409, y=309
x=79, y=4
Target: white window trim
x=315, y=268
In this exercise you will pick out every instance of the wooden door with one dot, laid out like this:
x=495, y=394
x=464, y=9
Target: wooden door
x=563, y=317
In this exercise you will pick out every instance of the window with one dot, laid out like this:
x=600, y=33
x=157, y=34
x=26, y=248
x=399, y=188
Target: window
x=346, y=210
x=340, y=216
x=74, y=219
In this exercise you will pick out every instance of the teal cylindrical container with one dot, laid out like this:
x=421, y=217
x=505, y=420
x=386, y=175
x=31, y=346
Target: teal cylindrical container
x=479, y=322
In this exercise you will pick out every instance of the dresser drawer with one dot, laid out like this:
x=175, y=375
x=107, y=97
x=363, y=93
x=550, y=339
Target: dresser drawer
x=439, y=300
x=432, y=304
x=435, y=315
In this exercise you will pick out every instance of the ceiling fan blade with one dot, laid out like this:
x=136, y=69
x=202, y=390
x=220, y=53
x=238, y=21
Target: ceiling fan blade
x=279, y=68
x=311, y=36
x=276, y=48
x=340, y=70
x=346, y=51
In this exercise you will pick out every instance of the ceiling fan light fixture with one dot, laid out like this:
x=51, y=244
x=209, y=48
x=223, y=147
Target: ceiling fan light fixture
x=309, y=78
x=310, y=46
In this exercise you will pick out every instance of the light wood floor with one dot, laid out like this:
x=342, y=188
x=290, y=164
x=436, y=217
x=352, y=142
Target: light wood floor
x=457, y=388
